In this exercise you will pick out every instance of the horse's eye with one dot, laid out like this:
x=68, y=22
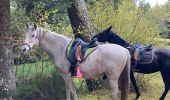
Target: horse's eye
x=32, y=35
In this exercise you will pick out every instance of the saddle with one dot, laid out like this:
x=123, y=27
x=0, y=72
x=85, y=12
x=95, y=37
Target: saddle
x=76, y=52
x=141, y=54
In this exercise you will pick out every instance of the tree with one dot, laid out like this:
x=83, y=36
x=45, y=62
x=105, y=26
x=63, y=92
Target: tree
x=165, y=22
x=80, y=21
x=7, y=78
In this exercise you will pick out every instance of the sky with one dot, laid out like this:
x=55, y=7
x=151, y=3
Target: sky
x=154, y=2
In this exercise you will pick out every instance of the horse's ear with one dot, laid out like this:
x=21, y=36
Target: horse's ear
x=35, y=26
x=109, y=29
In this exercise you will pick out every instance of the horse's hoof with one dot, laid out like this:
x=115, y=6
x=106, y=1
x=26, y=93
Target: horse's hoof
x=137, y=98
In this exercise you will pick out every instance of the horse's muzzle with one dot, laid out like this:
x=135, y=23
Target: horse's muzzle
x=25, y=48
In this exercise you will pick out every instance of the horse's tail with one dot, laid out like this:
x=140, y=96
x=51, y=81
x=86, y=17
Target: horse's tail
x=125, y=80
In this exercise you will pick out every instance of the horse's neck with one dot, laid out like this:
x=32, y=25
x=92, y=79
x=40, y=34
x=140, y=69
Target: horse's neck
x=53, y=44
x=121, y=42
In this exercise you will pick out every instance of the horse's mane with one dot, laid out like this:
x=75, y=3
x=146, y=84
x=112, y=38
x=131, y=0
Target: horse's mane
x=45, y=32
x=108, y=35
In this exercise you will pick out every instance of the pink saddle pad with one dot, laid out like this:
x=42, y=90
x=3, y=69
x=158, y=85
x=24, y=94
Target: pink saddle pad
x=79, y=74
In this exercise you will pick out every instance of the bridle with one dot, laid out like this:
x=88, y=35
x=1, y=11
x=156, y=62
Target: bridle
x=28, y=43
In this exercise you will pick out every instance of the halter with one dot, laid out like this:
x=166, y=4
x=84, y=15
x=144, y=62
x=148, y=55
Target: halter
x=27, y=45
x=30, y=41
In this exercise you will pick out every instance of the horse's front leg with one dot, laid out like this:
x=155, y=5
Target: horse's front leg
x=67, y=92
x=166, y=80
x=132, y=78
x=165, y=92
x=69, y=87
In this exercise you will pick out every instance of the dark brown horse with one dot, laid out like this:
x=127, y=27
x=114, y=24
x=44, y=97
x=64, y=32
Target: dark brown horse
x=160, y=62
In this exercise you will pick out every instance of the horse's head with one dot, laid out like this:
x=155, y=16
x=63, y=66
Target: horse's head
x=109, y=36
x=103, y=36
x=31, y=38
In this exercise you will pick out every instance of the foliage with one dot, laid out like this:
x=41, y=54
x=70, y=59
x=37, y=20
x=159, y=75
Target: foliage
x=50, y=11
x=128, y=21
x=50, y=14
x=161, y=17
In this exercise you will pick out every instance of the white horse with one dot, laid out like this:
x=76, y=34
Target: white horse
x=111, y=59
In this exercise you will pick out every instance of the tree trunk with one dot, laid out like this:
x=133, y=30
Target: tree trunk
x=81, y=25
x=7, y=77
x=80, y=21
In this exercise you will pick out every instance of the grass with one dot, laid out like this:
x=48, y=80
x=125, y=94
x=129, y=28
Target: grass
x=154, y=91
x=155, y=88
x=163, y=42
